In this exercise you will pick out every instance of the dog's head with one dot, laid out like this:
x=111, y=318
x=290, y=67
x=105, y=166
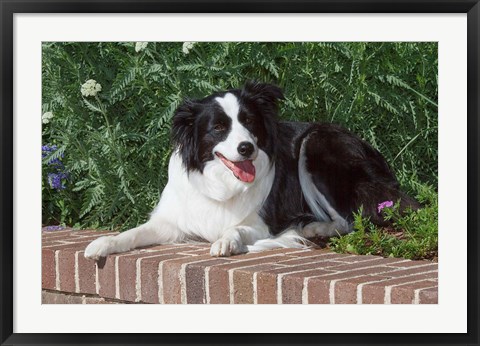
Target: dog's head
x=232, y=128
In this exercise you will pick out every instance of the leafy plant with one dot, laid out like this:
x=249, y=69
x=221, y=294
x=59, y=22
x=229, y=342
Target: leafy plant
x=412, y=235
x=115, y=144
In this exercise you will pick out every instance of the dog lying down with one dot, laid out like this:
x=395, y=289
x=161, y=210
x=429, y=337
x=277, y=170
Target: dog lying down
x=244, y=181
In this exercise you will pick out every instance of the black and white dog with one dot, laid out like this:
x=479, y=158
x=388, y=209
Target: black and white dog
x=244, y=181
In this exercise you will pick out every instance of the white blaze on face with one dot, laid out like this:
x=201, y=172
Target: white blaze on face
x=242, y=167
x=238, y=133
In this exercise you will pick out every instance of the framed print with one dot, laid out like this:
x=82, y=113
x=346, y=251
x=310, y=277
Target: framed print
x=312, y=170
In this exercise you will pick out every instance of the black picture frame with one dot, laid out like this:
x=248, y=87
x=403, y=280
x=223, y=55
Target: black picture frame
x=10, y=7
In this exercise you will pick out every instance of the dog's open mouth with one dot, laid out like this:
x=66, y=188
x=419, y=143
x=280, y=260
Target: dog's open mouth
x=242, y=170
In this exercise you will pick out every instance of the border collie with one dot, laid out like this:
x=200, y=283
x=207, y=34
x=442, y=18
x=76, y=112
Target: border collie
x=243, y=180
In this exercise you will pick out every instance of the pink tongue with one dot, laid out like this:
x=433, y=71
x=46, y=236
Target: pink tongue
x=244, y=170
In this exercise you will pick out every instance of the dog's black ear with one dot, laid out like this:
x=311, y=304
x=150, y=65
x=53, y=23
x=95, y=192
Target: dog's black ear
x=262, y=93
x=263, y=98
x=183, y=121
x=183, y=131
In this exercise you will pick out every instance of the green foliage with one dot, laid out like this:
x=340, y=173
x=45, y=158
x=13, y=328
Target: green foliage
x=413, y=235
x=116, y=144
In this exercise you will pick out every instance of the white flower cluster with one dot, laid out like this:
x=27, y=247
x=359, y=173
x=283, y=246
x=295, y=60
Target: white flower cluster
x=46, y=117
x=187, y=46
x=91, y=88
x=139, y=46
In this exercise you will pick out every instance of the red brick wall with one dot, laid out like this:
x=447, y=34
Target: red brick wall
x=174, y=274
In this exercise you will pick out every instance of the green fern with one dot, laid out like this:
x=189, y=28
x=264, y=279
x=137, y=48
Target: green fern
x=116, y=146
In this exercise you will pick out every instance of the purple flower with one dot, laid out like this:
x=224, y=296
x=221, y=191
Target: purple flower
x=55, y=180
x=53, y=228
x=47, y=150
x=57, y=174
x=386, y=204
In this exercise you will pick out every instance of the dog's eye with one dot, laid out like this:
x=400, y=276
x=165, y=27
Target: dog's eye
x=219, y=127
x=248, y=120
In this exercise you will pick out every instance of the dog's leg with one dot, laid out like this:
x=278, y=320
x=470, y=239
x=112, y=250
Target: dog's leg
x=144, y=235
x=235, y=241
x=333, y=228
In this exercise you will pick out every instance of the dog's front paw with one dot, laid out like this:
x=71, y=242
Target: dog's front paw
x=100, y=247
x=227, y=247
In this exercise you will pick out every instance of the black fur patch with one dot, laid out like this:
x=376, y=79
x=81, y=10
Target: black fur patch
x=193, y=130
x=345, y=169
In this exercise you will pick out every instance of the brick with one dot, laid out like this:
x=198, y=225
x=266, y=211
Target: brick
x=65, y=238
x=203, y=251
x=195, y=280
x=86, y=274
x=266, y=288
x=48, y=269
x=267, y=281
x=292, y=285
x=75, y=246
x=311, y=253
x=242, y=287
x=353, y=273
x=319, y=286
x=149, y=276
x=376, y=261
x=374, y=293
x=428, y=296
x=300, y=265
x=48, y=298
x=163, y=250
x=127, y=275
x=408, y=264
x=171, y=247
x=219, y=284
x=106, y=277
x=46, y=234
x=356, y=258
x=243, y=282
x=65, y=298
x=186, y=273
x=330, y=257
x=266, y=253
x=75, y=235
x=93, y=233
x=51, y=243
x=66, y=270
x=88, y=238
x=97, y=300
x=219, y=287
x=264, y=292
x=345, y=291
x=71, y=299
x=411, y=271
x=60, y=298
x=405, y=294
x=127, y=269
x=172, y=277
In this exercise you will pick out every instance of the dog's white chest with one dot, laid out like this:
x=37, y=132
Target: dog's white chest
x=208, y=204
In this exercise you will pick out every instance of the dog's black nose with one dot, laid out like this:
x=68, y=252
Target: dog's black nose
x=245, y=149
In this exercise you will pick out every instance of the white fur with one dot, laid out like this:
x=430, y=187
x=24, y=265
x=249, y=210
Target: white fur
x=330, y=222
x=238, y=132
x=217, y=207
x=213, y=205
